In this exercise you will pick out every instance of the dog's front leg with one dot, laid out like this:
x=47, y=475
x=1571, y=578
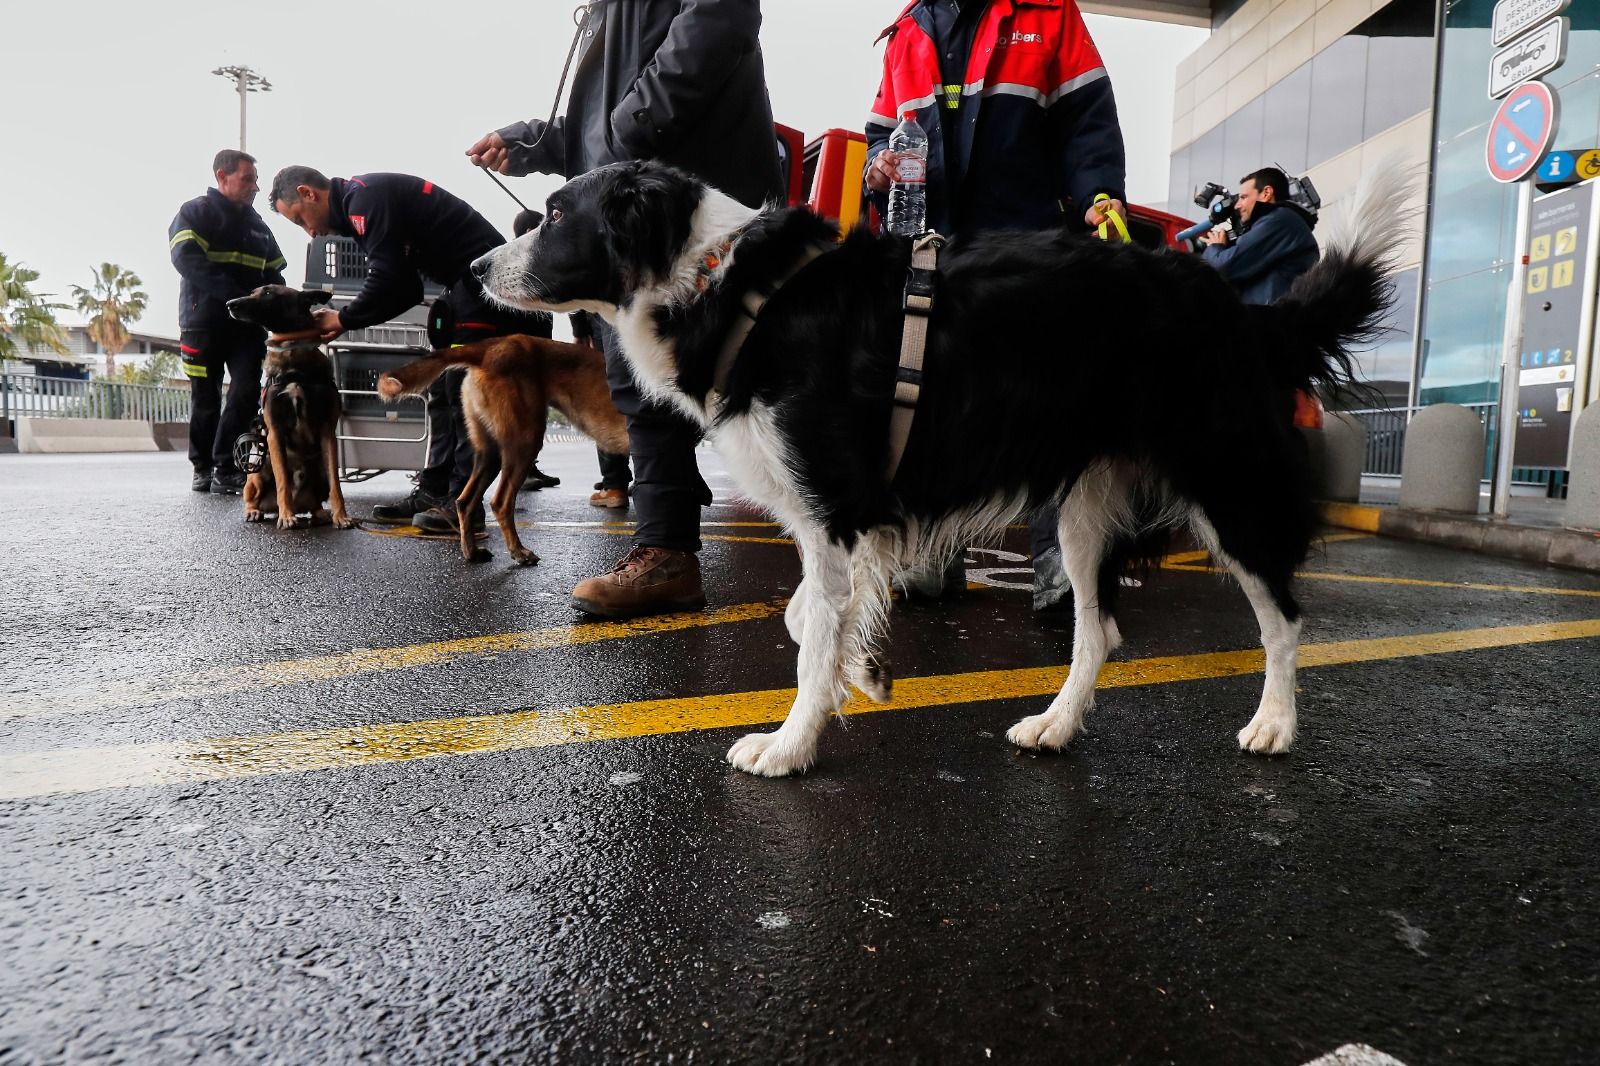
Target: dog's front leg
x=330, y=460
x=280, y=472
x=822, y=687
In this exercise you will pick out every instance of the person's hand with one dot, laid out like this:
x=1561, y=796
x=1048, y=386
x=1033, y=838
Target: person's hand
x=880, y=175
x=1096, y=215
x=490, y=152
x=1215, y=236
x=328, y=325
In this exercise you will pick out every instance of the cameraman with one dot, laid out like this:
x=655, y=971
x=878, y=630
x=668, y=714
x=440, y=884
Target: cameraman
x=1274, y=244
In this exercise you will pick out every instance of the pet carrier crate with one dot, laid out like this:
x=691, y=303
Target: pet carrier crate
x=374, y=436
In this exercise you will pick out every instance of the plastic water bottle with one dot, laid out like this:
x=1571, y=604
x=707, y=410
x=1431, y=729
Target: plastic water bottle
x=908, y=196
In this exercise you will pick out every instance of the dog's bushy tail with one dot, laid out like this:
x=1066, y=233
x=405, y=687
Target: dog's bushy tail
x=414, y=378
x=1340, y=304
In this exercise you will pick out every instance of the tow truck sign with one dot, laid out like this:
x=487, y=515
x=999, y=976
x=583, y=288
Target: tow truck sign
x=1527, y=57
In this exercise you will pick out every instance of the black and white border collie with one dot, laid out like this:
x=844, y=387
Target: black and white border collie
x=1129, y=388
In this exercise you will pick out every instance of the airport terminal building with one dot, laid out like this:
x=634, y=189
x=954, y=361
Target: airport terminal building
x=1332, y=87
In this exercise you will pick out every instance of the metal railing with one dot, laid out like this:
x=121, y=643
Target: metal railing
x=1386, y=442
x=29, y=396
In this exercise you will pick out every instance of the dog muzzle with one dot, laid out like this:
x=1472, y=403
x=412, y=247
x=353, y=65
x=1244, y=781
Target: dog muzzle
x=250, y=450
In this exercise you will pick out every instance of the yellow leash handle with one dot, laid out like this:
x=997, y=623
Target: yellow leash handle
x=1113, y=219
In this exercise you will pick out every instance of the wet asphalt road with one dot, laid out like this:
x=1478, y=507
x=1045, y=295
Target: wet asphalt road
x=1420, y=874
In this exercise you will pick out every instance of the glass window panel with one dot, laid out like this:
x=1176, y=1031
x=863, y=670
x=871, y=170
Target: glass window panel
x=1473, y=215
x=1580, y=111
x=1399, y=81
x=1338, y=80
x=1285, y=118
x=1178, y=191
x=1464, y=326
x=1241, y=143
x=1205, y=161
x=1387, y=367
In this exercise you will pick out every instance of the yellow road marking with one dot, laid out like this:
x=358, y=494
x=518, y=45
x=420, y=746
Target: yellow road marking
x=251, y=676
x=1417, y=582
x=171, y=762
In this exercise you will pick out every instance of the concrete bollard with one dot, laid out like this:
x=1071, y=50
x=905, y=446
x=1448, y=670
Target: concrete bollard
x=1443, y=461
x=1343, y=454
x=1583, y=490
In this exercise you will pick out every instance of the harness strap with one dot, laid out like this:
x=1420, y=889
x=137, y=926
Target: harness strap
x=749, y=308
x=918, y=306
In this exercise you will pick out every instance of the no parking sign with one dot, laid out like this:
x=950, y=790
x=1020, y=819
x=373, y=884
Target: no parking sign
x=1521, y=132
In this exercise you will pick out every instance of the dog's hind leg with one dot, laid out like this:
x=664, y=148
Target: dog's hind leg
x=485, y=465
x=513, y=473
x=822, y=684
x=1088, y=519
x=1266, y=583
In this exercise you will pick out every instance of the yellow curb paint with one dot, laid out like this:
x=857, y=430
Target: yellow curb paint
x=1351, y=516
x=251, y=676
x=91, y=769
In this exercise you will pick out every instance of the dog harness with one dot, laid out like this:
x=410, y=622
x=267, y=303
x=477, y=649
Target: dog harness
x=918, y=306
x=749, y=307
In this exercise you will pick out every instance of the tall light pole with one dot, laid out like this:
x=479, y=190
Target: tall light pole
x=245, y=81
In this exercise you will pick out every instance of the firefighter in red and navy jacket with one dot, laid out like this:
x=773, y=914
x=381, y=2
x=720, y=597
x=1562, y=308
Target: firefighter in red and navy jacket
x=222, y=249
x=410, y=229
x=1021, y=122
x=1022, y=134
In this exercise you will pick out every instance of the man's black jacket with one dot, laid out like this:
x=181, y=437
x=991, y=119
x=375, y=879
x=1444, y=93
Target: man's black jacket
x=221, y=251
x=410, y=229
x=681, y=83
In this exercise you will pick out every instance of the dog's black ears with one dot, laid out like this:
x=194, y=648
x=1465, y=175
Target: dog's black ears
x=312, y=297
x=646, y=212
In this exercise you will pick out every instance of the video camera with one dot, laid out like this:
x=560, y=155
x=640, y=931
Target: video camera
x=1222, y=205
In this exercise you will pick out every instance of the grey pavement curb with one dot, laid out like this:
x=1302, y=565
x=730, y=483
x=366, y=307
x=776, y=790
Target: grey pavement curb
x=1570, y=548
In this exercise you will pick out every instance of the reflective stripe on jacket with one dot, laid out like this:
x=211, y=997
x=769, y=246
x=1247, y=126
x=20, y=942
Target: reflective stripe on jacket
x=222, y=251
x=1043, y=131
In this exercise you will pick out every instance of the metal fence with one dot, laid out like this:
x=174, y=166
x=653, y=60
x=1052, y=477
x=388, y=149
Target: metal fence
x=1386, y=435
x=29, y=396
x=1386, y=443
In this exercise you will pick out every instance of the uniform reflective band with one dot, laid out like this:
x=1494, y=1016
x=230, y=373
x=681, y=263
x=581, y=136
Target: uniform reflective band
x=193, y=370
x=256, y=261
x=188, y=350
x=952, y=97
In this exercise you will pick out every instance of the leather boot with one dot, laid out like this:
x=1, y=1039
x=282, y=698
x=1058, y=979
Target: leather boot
x=645, y=581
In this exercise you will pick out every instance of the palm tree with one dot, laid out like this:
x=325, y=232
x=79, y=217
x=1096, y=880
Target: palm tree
x=115, y=301
x=27, y=319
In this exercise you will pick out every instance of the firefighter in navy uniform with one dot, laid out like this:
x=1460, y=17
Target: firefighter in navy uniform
x=411, y=229
x=222, y=249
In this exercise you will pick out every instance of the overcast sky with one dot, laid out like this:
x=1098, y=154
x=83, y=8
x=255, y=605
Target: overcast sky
x=109, y=113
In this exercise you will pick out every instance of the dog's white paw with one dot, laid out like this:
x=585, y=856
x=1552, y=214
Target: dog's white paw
x=1268, y=733
x=1042, y=731
x=767, y=755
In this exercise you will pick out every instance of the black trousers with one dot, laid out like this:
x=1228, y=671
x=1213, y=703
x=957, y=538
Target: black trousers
x=214, y=425
x=472, y=318
x=668, y=490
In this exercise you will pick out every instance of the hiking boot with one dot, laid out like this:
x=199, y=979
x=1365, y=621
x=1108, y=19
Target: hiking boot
x=1051, y=588
x=611, y=499
x=645, y=581
x=442, y=519
x=537, y=479
x=201, y=481
x=402, y=511
x=227, y=484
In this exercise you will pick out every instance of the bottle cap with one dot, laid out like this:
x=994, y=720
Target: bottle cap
x=908, y=115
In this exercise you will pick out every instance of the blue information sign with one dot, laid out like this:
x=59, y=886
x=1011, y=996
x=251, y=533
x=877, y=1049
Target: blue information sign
x=1521, y=132
x=1558, y=166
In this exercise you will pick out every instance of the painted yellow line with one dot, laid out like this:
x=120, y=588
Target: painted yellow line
x=1416, y=582
x=173, y=762
x=251, y=676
